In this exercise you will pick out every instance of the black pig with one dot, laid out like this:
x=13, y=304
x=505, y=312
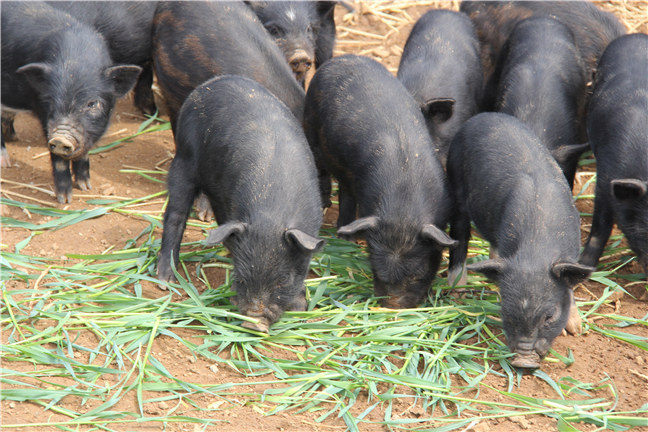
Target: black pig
x=244, y=149
x=126, y=26
x=60, y=69
x=507, y=183
x=195, y=41
x=617, y=126
x=541, y=83
x=304, y=30
x=494, y=21
x=365, y=129
x=440, y=67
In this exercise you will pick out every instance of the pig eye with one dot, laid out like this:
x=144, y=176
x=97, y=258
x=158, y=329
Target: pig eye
x=274, y=30
x=550, y=317
x=94, y=105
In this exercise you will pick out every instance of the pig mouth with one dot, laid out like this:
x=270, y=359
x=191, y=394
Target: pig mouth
x=526, y=360
x=262, y=326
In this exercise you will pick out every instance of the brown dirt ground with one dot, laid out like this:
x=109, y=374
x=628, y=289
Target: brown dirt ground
x=597, y=357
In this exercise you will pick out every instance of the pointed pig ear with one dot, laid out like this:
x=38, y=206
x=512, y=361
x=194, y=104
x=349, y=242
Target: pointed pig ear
x=305, y=242
x=437, y=235
x=491, y=268
x=566, y=153
x=36, y=74
x=628, y=189
x=440, y=109
x=224, y=232
x=571, y=273
x=123, y=78
x=358, y=227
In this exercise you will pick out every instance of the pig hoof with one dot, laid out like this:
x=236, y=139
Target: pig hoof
x=64, y=197
x=84, y=184
x=165, y=278
x=574, y=321
x=526, y=361
x=457, y=276
x=5, y=162
x=263, y=326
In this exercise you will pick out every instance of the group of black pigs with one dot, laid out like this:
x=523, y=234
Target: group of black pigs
x=484, y=123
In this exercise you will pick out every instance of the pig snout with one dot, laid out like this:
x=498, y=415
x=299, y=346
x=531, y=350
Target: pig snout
x=63, y=142
x=527, y=355
x=267, y=313
x=300, y=62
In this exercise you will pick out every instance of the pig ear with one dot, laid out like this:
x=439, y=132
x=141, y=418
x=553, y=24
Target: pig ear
x=566, y=153
x=304, y=241
x=123, y=78
x=36, y=74
x=325, y=7
x=224, y=232
x=628, y=189
x=256, y=5
x=437, y=235
x=572, y=273
x=491, y=268
x=440, y=109
x=358, y=227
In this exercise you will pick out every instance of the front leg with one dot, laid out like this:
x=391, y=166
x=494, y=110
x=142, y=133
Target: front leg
x=62, y=178
x=182, y=192
x=5, y=162
x=8, y=131
x=347, y=210
x=460, y=231
x=143, y=92
x=602, y=222
x=81, y=169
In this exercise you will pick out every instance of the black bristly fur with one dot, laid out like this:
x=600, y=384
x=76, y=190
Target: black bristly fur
x=69, y=83
x=618, y=132
x=593, y=30
x=508, y=184
x=300, y=25
x=194, y=41
x=366, y=130
x=541, y=82
x=441, y=61
x=243, y=148
x=126, y=26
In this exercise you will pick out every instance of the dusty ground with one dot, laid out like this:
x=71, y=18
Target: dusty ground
x=598, y=357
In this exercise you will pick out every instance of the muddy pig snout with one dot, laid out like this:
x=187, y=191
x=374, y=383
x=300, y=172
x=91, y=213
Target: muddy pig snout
x=63, y=143
x=300, y=62
x=526, y=356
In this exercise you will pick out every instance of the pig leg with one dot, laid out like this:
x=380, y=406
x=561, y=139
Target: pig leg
x=347, y=207
x=602, y=222
x=81, y=170
x=8, y=131
x=62, y=179
x=143, y=93
x=182, y=192
x=5, y=162
x=460, y=231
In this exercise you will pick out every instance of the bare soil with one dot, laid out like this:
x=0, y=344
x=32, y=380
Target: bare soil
x=597, y=357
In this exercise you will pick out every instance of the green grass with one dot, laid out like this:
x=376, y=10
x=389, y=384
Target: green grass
x=342, y=358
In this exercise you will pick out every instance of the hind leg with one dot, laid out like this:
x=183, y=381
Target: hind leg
x=182, y=192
